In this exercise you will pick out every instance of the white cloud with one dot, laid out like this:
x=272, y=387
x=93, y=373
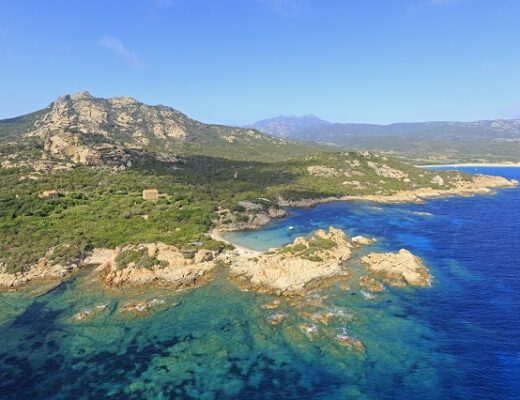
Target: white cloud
x=114, y=44
x=287, y=8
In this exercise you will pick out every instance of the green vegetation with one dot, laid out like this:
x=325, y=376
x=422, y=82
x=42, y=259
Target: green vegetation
x=101, y=207
x=13, y=127
x=310, y=252
x=139, y=257
x=98, y=208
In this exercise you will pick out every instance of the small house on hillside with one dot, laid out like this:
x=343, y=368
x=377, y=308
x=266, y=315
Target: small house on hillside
x=150, y=194
x=49, y=194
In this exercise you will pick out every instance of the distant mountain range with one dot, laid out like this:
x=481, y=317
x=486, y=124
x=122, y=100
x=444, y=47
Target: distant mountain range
x=287, y=126
x=487, y=139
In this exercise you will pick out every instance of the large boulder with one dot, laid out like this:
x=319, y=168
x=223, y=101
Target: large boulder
x=398, y=269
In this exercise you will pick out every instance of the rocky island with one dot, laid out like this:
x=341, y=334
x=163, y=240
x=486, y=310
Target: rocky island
x=398, y=269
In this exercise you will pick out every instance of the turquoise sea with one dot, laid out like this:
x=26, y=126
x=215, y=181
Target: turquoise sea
x=459, y=339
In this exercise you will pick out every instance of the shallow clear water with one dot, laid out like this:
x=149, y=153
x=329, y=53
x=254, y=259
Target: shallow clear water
x=459, y=339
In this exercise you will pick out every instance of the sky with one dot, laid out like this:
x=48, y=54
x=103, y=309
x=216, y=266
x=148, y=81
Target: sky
x=239, y=61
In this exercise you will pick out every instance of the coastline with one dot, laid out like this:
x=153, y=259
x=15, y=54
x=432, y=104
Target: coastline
x=459, y=165
x=479, y=186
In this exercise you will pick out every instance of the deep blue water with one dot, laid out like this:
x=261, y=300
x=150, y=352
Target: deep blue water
x=473, y=248
x=459, y=339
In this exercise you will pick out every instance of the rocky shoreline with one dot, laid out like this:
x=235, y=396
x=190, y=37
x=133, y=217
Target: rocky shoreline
x=43, y=271
x=480, y=184
x=177, y=270
x=296, y=268
x=261, y=212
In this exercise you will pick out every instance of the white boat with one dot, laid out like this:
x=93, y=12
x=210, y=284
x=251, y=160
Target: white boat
x=291, y=228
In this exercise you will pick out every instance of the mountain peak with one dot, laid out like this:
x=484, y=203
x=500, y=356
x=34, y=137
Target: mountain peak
x=286, y=126
x=84, y=95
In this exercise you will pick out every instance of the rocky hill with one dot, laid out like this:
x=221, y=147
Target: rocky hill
x=94, y=131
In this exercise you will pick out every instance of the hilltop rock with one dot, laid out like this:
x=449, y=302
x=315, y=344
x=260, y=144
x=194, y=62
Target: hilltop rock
x=296, y=268
x=437, y=180
x=399, y=269
x=323, y=171
x=386, y=171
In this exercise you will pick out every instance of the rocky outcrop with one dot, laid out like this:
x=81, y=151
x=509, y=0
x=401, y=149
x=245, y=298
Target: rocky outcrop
x=362, y=241
x=44, y=270
x=297, y=268
x=249, y=215
x=86, y=130
x=437, y=180
x=89, y=130
x=84, y=113
x=323, y=171
x=386, y=171
x=154, y=264
x=398, y=269
x=63, y=144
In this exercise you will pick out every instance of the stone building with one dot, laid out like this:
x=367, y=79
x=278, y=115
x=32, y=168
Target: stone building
x=150, y=194
x=49, y=194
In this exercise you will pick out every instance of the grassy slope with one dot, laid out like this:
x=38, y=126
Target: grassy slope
x=14, y=127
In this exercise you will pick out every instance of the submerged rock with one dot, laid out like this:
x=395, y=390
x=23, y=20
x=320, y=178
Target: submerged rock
x=353, y=343
x=277, y=319
x=371, y=284
x=89, y=313
x=326, y=317
x=310, y=330
x=141, y=306
x=367, y=295
x=272, y=305
x=399, y=269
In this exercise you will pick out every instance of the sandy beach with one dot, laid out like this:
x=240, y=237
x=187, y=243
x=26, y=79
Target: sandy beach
x=215, y=234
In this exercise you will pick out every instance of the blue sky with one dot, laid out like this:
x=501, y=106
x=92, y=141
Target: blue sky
x=238, y=61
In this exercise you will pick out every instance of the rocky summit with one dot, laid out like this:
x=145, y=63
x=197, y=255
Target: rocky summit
x=90, y=130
